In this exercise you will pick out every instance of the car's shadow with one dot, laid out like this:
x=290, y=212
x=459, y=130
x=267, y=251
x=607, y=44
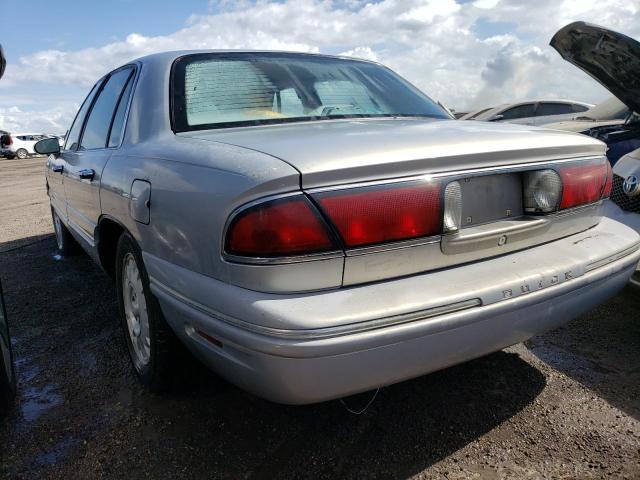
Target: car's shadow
x=68, y=344
x=601, y=350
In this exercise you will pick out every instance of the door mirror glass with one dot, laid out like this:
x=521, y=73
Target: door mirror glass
x=47, y=146
x=3, y=61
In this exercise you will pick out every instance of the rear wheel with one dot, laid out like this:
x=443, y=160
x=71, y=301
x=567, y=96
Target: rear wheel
x=66, y=243
x=154, y=350
x=22, y=153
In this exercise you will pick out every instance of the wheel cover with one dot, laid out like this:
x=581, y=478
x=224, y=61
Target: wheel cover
x=22, y=154
x=135, y=311
x=57, y=227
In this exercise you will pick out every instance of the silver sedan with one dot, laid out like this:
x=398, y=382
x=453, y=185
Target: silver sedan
x=311, y=227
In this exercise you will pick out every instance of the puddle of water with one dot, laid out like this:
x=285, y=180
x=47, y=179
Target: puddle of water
x=37, y=401
x=55, y=453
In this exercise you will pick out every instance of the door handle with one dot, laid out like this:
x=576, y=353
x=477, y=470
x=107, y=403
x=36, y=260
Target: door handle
x=87, y=174
x=57, y=168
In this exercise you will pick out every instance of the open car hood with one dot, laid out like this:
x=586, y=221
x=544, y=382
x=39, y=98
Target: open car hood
x=612, y=58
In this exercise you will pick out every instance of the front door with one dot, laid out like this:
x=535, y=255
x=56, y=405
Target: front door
x=84, y=165
x=56, y=164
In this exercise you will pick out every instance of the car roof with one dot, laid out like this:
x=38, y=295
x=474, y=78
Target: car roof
x=170, y=56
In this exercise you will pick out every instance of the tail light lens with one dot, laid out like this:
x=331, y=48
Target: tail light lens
x=370, y=215
x=608, y=184
x=452, y=217
x=542, y=191
x=583, y=183
x=570, y=186
x=289, y=226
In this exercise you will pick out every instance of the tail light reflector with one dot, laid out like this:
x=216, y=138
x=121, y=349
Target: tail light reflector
x=583, y=183
x=370, y=215
x=288, y=226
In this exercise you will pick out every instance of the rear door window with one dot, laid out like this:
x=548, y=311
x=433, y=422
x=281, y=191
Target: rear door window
x=553, y=108
x=521, y=111
x=99, y=121
x=118, y=120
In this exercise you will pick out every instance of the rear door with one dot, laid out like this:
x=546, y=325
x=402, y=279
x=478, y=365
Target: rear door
x=100, y=135
x=56, y=164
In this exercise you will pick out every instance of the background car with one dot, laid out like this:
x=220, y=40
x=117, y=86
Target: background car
x=625, y=196
x=611, y=111
x=474, y=113
x=21, y=144
x=7, y=374
x=612, y=59
x=533, y=112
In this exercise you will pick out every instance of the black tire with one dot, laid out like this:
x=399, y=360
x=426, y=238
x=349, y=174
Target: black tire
x=66, y=243
x=7, y=373
x=21, y=153
x=166, y=354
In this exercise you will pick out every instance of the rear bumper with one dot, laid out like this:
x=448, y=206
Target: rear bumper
x=311, y=347
x=630, y=219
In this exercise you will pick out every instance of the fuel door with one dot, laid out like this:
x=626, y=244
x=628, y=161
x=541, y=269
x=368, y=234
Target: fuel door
x=140, y=201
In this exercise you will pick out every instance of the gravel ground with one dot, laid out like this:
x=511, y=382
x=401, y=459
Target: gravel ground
x=563, y=405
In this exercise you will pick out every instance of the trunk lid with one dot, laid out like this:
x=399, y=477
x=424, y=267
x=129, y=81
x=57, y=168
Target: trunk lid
x=488, y=160
x=611, y=58
x=336, y=152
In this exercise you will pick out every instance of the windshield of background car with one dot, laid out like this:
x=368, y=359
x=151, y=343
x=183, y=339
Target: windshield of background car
x=228, y=90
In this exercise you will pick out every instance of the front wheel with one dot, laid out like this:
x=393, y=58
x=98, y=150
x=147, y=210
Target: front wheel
x=65, y=241
x=153, y=347
x=22, y=153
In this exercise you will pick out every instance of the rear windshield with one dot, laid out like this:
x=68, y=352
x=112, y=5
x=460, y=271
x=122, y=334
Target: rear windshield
x=229, y=90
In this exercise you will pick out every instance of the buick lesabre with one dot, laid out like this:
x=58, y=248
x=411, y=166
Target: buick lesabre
x=312, y=226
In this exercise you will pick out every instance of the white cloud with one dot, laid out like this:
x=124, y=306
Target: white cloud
x=53, y=120
x=433, y=43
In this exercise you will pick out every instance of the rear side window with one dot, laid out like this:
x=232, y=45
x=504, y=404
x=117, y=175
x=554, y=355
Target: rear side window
x=521, y=111
x=74, y=133
x=98, y=124
x=550, y=108
x=118, y=119
x=579, y=108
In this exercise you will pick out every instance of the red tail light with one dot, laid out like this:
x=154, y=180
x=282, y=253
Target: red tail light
x=608, y=184
x=584, y=183
x=365, y=216
x=289, y=226
x=9, y=140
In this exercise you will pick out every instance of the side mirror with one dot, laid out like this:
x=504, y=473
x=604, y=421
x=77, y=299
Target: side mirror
x=47, y=146
x=3, y=62
x=497, y=118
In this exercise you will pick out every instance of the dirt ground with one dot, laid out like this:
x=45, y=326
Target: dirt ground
x=564, y=405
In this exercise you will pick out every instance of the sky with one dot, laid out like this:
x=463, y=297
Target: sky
x=465, y=53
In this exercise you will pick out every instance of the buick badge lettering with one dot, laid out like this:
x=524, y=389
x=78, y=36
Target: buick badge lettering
x=630, y=186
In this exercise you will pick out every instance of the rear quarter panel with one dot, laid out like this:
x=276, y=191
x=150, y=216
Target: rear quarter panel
x=194, y=188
